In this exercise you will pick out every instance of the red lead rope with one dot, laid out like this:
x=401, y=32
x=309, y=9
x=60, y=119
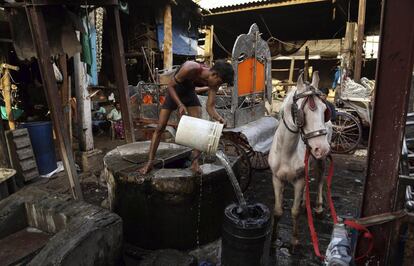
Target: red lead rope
x=349, y=223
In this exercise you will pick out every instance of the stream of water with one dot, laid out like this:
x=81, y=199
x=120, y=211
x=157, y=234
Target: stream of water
x=239, y=194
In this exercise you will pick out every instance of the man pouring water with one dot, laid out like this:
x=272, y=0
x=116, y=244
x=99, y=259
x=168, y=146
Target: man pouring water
x=182, y=96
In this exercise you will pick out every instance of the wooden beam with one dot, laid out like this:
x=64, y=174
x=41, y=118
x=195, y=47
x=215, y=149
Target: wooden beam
x=168, y=45
x=393, y=81
x=306, y=66
x=208, y=44
x=83, y=105
x=65, y=94
x=349, y=46
x=118, y=57
x=60, y=2
x=291, y=69
x=360, y=40
x=41, y=43
x=4, y=154
x=7, y=92
x=73, y=2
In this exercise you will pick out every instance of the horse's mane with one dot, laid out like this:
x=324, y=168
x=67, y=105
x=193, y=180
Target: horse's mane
x=288, y=97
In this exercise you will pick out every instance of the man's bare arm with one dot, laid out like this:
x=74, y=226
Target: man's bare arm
x=211, y=106
x=199, y=90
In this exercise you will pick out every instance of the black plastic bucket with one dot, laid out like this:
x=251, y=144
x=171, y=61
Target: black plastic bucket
x=246, y=236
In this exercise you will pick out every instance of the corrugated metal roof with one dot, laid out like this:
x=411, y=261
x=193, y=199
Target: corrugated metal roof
x=215, y=4
x=223, y=8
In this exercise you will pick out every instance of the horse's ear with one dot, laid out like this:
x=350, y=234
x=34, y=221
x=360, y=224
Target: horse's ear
x=300, y=86
x=315, y=79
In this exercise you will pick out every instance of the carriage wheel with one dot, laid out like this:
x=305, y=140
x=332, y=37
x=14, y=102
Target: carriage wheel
x=244, y=171
x=347, y=133
x=258, y=160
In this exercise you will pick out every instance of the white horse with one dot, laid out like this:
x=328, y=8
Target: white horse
x=305, y=124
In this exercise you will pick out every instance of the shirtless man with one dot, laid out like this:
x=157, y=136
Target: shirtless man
x=182, y=95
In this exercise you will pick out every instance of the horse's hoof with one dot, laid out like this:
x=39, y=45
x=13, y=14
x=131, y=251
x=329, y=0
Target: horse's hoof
x=319, y=213
x=294, y=242
x=302, y=209
x=294, y=246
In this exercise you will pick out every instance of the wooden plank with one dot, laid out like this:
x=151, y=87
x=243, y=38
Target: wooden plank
x=25, y=153
x=360, y=40
x=118, y=57
x=21, y=155
x=73, y=2
x=168, y=53
x=22, y=143
x=4, y=155
x=41, y=43
x=291, y=69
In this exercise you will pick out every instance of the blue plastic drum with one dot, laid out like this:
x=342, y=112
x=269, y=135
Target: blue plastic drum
x=41, y=137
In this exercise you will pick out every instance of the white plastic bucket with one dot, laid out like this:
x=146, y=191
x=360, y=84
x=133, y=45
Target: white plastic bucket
x=199, y=134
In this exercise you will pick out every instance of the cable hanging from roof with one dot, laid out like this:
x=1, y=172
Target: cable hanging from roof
x=217, y=41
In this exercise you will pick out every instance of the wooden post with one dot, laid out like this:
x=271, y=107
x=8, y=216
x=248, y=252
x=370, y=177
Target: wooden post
x=4, y=155
x=41, y=43
x=306, y=65
x=411, y=105
x=168, y=53
x=7, y=89
x=83, y=105
x=118, y=56
x=392, y=88
x=360, y=40
x=347, y=62
x=291, y=69
x=208, y=44
x=65, y=94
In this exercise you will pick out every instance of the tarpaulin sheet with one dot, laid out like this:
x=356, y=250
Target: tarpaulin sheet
x=259, y=133
x=60, y=27
x=184, y=36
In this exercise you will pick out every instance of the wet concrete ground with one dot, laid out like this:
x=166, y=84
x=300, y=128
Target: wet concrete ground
x=347, y=189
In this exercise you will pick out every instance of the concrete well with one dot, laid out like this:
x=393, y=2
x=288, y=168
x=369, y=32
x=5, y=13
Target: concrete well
x=42, y=228
x=164, y=209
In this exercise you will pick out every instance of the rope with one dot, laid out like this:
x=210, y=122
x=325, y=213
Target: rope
x=219, y=43
x=367, y=235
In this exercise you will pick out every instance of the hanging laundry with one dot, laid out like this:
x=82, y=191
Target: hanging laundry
x=86, y=51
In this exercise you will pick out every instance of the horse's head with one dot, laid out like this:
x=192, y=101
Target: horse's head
x=310, y=114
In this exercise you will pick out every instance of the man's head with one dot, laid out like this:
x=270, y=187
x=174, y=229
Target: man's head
x=325, y=92
x=221, y=72
x=118, y=106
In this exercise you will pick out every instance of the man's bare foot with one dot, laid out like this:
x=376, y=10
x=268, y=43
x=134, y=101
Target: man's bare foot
x=146, y=168
x=195, y=167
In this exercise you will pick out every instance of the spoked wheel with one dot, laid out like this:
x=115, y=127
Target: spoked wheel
x=243, y=171
x=258, y=160
x=347, y=133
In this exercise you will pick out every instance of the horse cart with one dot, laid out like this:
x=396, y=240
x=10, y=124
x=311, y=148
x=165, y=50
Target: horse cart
x=249, y=133
x=354, y=113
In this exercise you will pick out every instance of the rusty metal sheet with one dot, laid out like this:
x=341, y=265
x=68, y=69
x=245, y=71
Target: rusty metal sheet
x=16, y=247
x=393, y=77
